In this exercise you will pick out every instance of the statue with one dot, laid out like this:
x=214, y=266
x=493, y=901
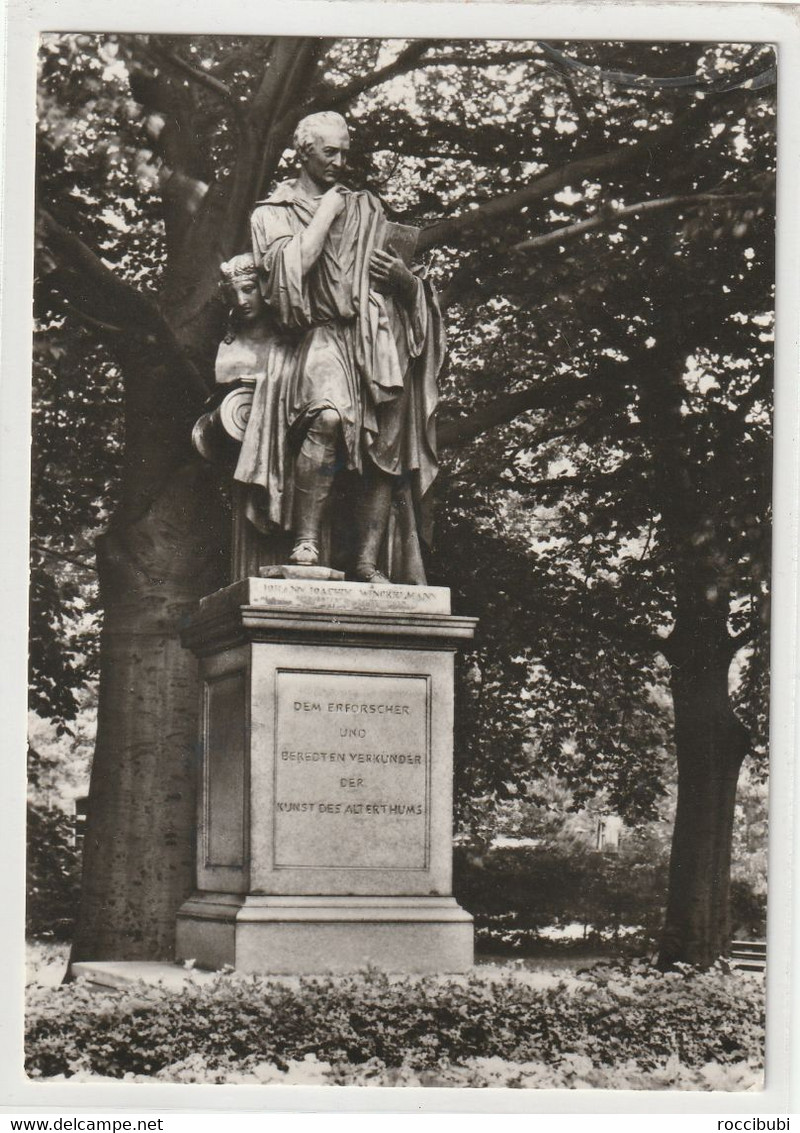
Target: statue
x=342, y=345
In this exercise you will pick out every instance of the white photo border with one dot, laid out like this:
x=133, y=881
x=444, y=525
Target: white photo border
x=731, y=22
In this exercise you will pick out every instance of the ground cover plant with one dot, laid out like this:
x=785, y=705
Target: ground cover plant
x=611, y=1026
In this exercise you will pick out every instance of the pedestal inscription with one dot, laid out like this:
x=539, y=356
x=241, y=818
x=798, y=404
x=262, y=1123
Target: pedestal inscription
x=352, y=770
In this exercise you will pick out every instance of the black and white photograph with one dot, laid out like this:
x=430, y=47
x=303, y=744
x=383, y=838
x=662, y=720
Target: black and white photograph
x=401, y=540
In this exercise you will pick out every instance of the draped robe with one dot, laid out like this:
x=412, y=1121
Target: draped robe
x=340, y=344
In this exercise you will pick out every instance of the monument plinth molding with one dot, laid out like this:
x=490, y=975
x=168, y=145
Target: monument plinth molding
x=325, y=814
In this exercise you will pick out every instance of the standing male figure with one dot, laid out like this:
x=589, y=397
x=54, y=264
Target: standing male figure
x=360, y=345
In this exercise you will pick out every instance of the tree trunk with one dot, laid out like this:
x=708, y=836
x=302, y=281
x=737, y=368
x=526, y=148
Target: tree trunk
x=710, y=745
x=139, y=845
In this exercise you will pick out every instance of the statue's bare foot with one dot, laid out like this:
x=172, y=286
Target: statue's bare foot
x=368, y=572
x=305, y=553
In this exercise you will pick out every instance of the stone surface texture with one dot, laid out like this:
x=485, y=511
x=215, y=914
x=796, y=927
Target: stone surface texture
x=121, y=974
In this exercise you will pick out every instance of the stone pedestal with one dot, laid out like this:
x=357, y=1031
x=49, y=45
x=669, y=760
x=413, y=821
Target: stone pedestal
x=325, y=817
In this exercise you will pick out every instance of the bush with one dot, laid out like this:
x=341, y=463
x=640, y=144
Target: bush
x=515, y=892
x=53, y=874
x=433, y=1029
x=748, y=911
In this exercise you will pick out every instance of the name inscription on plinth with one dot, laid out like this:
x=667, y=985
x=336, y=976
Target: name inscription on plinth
x=352, y=770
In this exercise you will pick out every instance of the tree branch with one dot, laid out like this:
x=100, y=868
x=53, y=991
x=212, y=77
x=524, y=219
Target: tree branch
x=631, y=81
x=407, y=60
x=183, y=164
x=161, y=95
x=92, y=288
x=66, y=558
x=498, y=58
x=739, y=640
x=464, y=279
x=589, y=126
x=612, y=214
x=196, y=75
x=286, y=53
x=112, y=306
x=290, y=106
x=96, y=324
x=543, y=438
x=410, y=59
x=287, y=79
x=581, y=169
x=552, y=484
x=541, y=186
x=565, y=393
x=236, y=60
x=558, y=392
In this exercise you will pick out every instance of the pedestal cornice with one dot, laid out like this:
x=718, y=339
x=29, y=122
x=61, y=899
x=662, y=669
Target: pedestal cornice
x=232, y=618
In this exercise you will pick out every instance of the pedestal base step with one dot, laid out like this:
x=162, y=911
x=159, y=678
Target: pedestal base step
x=313, y=935
x=122, y=975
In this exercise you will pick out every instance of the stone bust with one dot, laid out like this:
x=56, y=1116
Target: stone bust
x=242, y=352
